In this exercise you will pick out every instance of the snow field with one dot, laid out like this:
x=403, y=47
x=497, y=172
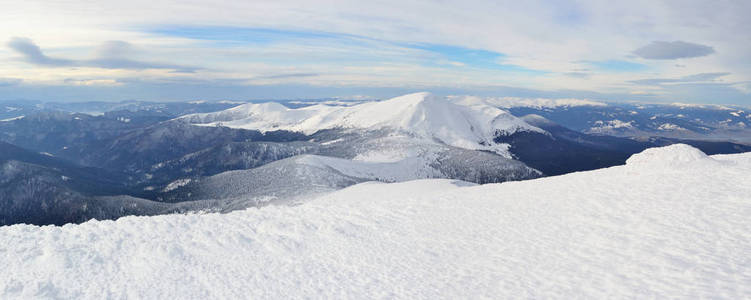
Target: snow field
x=644, y=230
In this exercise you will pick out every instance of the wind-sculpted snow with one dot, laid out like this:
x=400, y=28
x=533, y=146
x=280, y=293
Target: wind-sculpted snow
x=635, y=231
x=469, y=126
x=673, y=156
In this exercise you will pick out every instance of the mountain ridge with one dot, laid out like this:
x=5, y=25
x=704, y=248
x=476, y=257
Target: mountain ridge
x=422, y=115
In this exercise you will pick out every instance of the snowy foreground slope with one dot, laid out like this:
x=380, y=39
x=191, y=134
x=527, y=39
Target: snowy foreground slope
x=672, y=223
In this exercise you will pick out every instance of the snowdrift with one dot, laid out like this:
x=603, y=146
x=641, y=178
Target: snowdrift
x=637, y=231
x=673, y=156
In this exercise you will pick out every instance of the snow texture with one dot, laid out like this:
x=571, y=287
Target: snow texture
x=176, y=184
x=675, y=156
x=670, y=127
x=402, y=170
x=642, y=230
x=12, y=119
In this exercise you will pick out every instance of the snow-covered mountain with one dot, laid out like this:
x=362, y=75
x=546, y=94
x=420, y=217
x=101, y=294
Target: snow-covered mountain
x=422, y=115
x=641, y=120
x=410, y=137
x=415, y=136
x=671, y=223
x=21, y=108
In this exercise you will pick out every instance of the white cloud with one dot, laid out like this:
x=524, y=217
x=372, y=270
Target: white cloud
x=93, y=82
x=550, y=36
x=673, y=50
x=744, y=87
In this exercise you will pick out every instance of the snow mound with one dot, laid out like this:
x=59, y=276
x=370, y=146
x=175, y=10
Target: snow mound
x=469, y=125
x=675, y=155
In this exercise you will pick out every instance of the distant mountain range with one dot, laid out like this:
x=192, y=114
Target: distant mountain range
x=677, y=120
x=63, y=166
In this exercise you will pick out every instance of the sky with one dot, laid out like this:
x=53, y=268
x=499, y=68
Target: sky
x=649, y=51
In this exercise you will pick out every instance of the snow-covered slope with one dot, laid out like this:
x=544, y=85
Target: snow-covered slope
x=288, y=180
x=634, y=231
x=296, y=179
x=469, y=126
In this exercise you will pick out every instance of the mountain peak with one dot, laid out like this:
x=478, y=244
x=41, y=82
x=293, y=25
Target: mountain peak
x=538, y=120
x=421, y=115
x=414, y=97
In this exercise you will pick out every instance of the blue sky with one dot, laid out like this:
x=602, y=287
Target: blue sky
x=110, y=50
